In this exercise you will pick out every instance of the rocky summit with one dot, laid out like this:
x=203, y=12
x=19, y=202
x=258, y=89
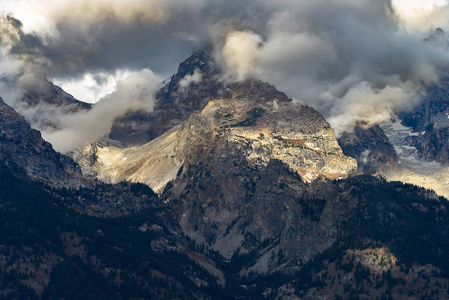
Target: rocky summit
x=190, y=89
x=256, y=123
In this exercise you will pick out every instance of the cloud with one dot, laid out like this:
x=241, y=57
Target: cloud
x=416, y=14
x=134, y=93
x=82, y=36
x=92, y=87
x=195, y=78
x=240, y=53
x=23, y=57
x=366, y=106
x=356, y=61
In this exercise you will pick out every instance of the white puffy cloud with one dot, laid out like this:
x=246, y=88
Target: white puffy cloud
x=240, y=53
x=367, y=106
x=92, y=87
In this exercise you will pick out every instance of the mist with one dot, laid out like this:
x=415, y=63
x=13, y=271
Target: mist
x=357, y=62
x=134, y=93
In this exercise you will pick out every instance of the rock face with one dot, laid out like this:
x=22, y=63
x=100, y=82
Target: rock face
x=190, y=89
x=42, y=102
x=153, y=164
x=263, y=213
x=251, y=157
x=431, y=120
x=256, y=123
x=239, y=211
x=433, y=145
x=370, y=146
x=22, y=146
x=50, y=94
x=263, y=125
x=248, y=208
x=437, y=181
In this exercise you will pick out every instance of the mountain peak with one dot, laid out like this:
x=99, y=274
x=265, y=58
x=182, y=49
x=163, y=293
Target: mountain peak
x=190, y=89
x=258, y=122
x=256, y=89
x=198, y=60
x=23, y=147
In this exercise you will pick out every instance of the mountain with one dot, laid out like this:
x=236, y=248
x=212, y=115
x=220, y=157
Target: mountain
x=251, y=193
x=370, y=146
x=55, y=241
x=419, y=139
x=49, y=94
x=430, y=120
x=191, y=88
x=43, y=101
x=224, y=192
x=24, y=147
x=412, y=148
x=255, y=123
x=28, y=156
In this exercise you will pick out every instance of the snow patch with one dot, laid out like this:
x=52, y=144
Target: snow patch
x=165, y=82
x=407, y=154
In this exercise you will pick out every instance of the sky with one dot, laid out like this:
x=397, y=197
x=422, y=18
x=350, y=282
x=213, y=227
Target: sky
x=356, y=61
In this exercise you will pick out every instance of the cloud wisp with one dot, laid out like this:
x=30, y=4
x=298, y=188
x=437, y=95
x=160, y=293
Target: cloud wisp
x=134, y=93
x=93, y=87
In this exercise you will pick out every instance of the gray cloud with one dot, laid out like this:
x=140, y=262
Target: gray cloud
x=356, y=61
x=195, y=78
x=88, y=36
x=134, y=93
x=24, y=57
x=352, y=60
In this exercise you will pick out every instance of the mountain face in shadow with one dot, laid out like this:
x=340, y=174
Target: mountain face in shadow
x=229, y=192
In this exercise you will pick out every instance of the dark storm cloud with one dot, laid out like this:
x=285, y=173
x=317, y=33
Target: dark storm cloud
x=354, y=60
x=106, y=35
x=20, y=44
